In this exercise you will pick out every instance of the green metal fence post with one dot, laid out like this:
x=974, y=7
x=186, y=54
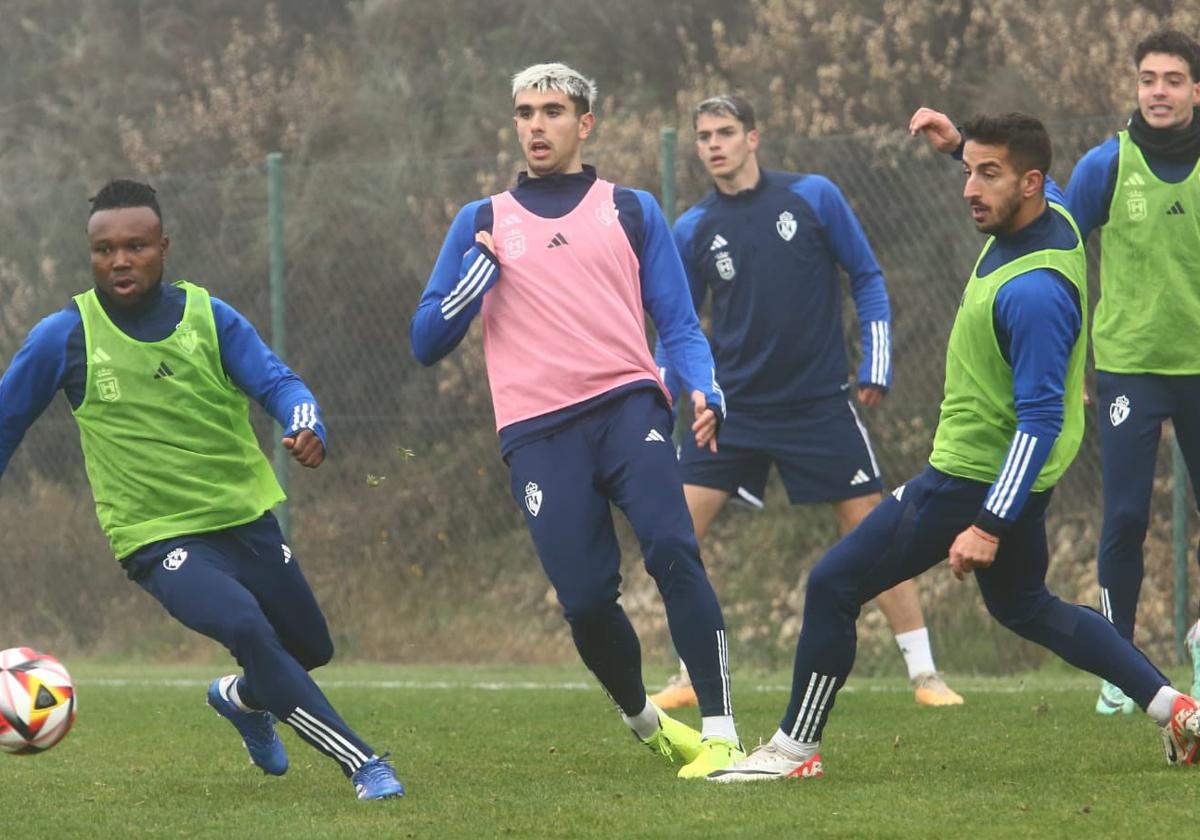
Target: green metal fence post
x=278, y=310
x=1179, y=534
x=667, y=140
x=666, y=146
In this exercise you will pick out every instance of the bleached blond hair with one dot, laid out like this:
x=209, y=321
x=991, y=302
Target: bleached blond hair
x=555, y=76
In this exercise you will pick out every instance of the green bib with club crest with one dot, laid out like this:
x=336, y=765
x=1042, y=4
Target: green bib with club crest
x=978, y=415
x=166, y=435
x=1148, y=315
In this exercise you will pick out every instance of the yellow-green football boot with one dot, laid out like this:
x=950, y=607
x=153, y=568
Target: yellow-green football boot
x=677, y=742
x=715, y=754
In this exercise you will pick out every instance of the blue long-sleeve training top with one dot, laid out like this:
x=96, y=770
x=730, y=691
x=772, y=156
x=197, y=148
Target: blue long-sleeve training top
x=465, y=271
x=770, y=257
x=1037, y=318
x=1094, y=180
x=53, y=358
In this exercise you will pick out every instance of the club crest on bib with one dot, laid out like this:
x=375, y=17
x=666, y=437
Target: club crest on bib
x=514, y=244
x=174, y=559
x=107, y=386
x=786, y=226
x=1118, y=412
x=606, y=213
x=725, y=266
x=1136, y=205
x=533, y=498
x=188, y=340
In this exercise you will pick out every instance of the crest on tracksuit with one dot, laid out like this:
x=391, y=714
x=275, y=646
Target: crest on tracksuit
x=1118, y=412
x=786, y=226
x=533, y=498
x=725, y=265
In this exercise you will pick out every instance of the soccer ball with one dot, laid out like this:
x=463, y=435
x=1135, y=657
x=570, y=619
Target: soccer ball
x=37, y=701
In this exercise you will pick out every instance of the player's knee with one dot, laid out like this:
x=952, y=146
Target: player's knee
x=317, y=653
x=831, y=582
x=672, y=554
x=246, y=629
x=1023, y=617
x=587, y=606
x=1127, y=522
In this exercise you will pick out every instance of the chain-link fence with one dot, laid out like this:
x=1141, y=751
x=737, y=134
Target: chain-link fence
x=408, y=532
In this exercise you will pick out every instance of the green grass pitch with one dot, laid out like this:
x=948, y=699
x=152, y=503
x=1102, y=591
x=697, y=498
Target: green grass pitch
x=538, y=752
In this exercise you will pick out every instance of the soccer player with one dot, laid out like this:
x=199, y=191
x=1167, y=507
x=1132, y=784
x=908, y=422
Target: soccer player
x=1011, y=422
x=1141, y=190
x=562, y=268
x=157, y=377
x=768, y=246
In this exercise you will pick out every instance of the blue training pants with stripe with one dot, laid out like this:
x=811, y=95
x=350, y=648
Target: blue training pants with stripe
x=243, y=587
x=912, y=530
x=620, y=453
x=1132, y=410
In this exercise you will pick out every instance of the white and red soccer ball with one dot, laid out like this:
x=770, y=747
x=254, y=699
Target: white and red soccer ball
x=37, y=701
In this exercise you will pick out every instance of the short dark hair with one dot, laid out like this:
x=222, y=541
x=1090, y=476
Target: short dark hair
x=1024, y=136
x=1172, y=42
x=729, y=105
x=125, y=193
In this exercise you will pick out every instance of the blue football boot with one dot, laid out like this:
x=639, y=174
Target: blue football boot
x=256, y=728
x=377, y=780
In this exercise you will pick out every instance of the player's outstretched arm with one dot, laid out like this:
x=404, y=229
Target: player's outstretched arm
x=937, y=128
x=255, y=369
x=465, y=269
x=32, y=379
x=667, y=296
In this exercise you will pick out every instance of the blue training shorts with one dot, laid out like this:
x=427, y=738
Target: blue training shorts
x=822, y=452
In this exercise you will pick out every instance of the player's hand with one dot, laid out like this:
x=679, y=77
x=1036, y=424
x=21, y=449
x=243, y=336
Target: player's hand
x=485, y=239
x=1087, y=398
x=937, y=128
x=704, y=427
x=870, y=396
x=306, y=448
x=973, y=549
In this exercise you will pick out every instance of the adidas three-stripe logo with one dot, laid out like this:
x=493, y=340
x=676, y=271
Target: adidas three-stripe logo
x=469, y=287
x=327, y=739
x=655, y=436
x=718, y=243
x=304, y=416
x=1004, y=491
x=1175, y=209
x=860, y=477
x=558, y=239
x=164, y=370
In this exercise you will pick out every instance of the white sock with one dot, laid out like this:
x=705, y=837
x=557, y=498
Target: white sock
x=229, y=689
x=719, y=726
x=644, y=723
x=795, y=750
x=918, y=656
x=1159, y=709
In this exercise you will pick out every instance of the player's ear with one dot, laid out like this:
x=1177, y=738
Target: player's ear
x=586, y=123
x=1032, y=183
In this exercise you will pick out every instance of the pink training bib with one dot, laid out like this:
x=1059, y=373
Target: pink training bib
x=564, y=322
